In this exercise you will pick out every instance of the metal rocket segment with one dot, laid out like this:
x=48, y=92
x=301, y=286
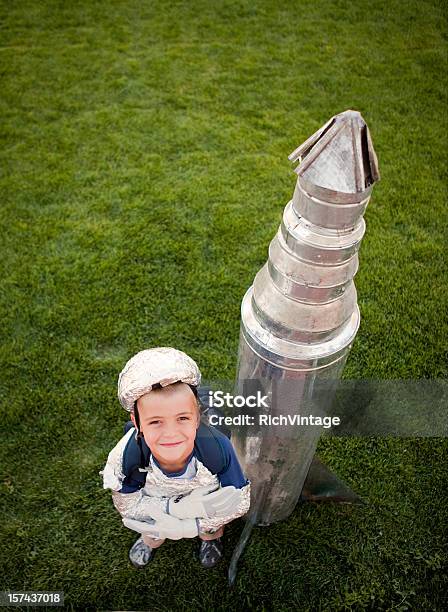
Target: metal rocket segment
x=339, y=157
x=300, y=316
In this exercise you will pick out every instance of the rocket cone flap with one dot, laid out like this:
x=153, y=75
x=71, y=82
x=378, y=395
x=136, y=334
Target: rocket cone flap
x=337, y=172
x=338, y=158
x=300, y=316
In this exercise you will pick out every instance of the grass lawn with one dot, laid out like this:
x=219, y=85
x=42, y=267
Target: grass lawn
x=144, y=172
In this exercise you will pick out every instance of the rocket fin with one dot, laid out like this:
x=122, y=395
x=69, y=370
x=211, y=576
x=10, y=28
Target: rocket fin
x=321, y=484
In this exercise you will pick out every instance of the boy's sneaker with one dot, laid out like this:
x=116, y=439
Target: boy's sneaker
x=210, y=552
x=140, y=554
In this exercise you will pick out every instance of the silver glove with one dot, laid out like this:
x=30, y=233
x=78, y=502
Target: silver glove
x=171, y=528
x=202, y=503
x=160, y=525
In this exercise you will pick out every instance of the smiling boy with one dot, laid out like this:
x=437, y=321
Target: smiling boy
x=172, y=476
x=169, y=418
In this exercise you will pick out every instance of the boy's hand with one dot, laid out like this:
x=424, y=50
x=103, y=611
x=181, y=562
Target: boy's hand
x=202, y=503
x=164, y=527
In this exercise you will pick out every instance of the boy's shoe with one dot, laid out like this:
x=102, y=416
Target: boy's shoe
x=210, y=552
x=140, y=554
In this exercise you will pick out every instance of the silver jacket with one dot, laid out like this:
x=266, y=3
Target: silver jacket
x=159, y=487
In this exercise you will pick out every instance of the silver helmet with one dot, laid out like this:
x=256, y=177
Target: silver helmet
x=157, y=366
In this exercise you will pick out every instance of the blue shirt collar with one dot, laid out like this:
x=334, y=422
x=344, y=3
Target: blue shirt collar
x=172, y=474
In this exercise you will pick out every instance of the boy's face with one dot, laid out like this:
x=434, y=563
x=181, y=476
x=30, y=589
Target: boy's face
x=169, y=418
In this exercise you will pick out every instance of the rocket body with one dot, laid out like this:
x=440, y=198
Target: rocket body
x=300, y=316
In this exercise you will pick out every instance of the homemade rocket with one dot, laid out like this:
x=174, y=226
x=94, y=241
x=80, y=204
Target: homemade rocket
x=300, y=316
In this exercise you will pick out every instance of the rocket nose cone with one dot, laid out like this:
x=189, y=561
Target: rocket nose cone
x=352, y=115
x=338, y=158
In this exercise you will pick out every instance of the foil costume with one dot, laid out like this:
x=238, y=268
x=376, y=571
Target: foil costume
x=159, y=488
x=165, y=366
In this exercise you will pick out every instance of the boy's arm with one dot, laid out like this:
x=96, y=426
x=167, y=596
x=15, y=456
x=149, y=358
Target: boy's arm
x=232, y=504
x=139, y=511
x=124, y=503
x=209, y=525
x=139, y=506
x=231, y=475
x=134, y=504
x=130, y=502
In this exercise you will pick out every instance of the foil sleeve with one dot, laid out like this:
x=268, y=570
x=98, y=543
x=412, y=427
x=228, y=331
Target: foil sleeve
x=135, y=505
x=112, y=473
x=129, y=505
x=210, y=525
x=159, y=488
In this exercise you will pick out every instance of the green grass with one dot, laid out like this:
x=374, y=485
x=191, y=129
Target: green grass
x=144, y=171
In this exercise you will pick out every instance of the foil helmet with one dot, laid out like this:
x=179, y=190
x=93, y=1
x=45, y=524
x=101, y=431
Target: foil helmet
x=156, y=367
